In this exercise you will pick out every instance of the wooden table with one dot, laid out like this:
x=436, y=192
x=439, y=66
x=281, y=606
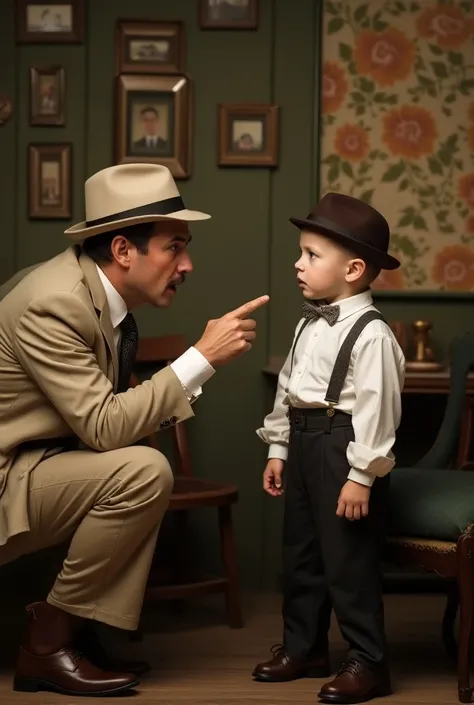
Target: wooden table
x=420, y=383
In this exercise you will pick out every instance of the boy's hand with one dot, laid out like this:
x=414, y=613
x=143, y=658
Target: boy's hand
x=272, y=482
x=353, y=502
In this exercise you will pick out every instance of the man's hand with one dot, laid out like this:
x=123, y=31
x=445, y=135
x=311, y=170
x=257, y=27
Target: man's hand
x=272, y=477
x=353, y=502
x=229, y=337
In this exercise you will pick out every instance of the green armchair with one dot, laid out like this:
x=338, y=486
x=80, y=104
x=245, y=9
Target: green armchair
x=432, y=515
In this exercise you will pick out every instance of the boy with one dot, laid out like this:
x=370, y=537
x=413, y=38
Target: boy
x=330, y=434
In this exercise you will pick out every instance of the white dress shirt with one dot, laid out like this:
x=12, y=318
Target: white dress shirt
x=371, y=392
x=191, y=368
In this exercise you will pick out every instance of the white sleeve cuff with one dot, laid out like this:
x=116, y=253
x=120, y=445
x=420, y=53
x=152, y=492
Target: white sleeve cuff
x=193, y=370
x=276, y=450
x=368, y=460
x=361, y=477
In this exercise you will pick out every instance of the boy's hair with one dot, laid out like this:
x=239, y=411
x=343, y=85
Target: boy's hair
x=98, y=247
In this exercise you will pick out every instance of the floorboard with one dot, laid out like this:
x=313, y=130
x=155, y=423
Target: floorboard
x=198, y=660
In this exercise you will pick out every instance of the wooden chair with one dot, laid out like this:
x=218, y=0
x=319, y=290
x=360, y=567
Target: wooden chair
x=190, y=493
x=432, y=513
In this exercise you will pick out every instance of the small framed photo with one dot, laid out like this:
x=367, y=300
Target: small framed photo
x=53, y=22
x=47, y=96
x=49, y=179
x=228, y=14
x=248, y=135
x=150, y=47
x=154, y=121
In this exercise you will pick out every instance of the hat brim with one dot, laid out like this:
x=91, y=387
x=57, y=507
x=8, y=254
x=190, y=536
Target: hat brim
x=81, y=231
x=380, y=259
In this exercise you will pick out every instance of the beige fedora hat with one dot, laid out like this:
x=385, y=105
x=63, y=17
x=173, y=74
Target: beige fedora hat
x=127, y=194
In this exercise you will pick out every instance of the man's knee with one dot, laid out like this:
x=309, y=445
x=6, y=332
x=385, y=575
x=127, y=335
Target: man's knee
x=149, y=469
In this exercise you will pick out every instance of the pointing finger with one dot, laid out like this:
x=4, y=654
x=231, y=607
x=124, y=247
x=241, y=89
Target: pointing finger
x=249, y=307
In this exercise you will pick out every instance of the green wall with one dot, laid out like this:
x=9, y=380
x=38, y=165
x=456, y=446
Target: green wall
x=248, y=248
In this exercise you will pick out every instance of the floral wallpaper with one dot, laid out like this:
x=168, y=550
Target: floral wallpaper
x=398, y=130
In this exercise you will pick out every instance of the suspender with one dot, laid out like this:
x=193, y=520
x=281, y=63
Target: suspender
x=343, y=358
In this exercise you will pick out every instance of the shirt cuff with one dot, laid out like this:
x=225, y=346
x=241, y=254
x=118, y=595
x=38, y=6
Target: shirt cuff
x=361, y=477
x=277, y=450
x=193, y=370
x=368, y=460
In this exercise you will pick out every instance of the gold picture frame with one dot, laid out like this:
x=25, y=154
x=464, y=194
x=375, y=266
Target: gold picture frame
x=228, y=14
x=154, y=121
x=50, y=21
x=145, y=46
x=248, y=134
x=47, y=96
x=49, y=181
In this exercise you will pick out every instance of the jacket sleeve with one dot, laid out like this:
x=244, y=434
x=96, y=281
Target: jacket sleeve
x=54, y=345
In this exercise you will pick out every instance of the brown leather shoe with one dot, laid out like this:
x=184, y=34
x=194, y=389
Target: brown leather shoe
x=47, y=662
x=355, y=683
x=88, y=643
x=282, y=667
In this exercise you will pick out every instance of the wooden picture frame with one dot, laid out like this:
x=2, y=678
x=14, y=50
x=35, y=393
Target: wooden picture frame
x=154, y=121
x=146, y=46
x=49, y=181
x=248, y=134
x=47, y=95
x=50, y=21
x=228, y=14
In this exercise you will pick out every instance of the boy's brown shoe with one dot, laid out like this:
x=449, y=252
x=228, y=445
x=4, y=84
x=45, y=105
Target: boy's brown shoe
x=355, y=683
x=283, y=667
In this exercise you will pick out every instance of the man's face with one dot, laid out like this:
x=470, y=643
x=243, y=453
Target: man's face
x=150, y=123
x=153, y=277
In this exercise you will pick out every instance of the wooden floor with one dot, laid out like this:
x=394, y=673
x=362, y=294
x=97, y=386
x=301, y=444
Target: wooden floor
x=197, y=660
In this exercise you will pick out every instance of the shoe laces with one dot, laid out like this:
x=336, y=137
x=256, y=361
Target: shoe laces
x=351, y=666
x=277, y=649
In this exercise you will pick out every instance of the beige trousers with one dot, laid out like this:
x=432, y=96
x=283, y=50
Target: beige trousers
x=112, y=504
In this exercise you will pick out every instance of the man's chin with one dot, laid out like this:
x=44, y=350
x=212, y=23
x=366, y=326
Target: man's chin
x=166, y=298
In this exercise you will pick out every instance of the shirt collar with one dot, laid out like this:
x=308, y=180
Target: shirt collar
x=353, y=304
x=117, y=306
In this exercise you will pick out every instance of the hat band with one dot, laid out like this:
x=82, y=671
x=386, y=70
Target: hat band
x=331, y=225
x=168, y=205
x=341, y=230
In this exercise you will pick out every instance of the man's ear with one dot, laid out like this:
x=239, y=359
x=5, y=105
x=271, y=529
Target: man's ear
x=120, y=248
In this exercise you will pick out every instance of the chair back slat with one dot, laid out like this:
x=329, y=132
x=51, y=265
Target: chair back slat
x=162, y=351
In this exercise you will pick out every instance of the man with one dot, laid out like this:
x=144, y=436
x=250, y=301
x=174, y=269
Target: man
x=151, y=139
x=68, y=464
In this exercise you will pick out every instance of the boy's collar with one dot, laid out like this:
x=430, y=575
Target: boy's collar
x=352, y=304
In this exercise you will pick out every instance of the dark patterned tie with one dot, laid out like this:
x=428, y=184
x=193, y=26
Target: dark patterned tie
x=127, y=352
x=315, y=311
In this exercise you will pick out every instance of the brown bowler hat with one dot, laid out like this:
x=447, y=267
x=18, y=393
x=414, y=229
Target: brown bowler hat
x=354, y=224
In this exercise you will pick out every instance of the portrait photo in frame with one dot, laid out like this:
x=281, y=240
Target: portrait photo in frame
x=154, y=121
x=248, y=134
x=53, y=22
x=47, y=95
x=228, y=14
x=145, y=46
x=49, y=181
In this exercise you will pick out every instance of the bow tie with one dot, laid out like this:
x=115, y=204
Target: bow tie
x=330, y=313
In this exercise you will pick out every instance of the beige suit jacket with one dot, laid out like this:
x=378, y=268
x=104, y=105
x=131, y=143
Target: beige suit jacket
x=58, y=371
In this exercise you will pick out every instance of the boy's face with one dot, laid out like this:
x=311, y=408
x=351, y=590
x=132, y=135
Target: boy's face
x=326, y=270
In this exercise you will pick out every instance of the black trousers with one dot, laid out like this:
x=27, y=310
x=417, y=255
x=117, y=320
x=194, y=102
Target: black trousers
x=330, y=562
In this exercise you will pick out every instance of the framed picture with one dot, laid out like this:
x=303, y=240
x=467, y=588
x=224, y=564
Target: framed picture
x=154, y=121
x=150, y=47
x=49, y=179
x=228, y=14
x=248, y=135
x=47, y=96
x=54, y=22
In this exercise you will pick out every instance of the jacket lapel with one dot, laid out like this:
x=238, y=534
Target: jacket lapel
x=101, y=305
